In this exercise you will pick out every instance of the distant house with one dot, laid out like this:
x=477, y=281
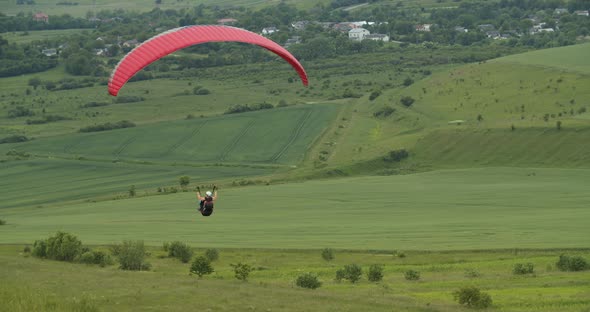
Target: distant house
x=377, y=37
x=130, y=43
x=41, y=17
x=358, y=34
x=49, y=52
x=493, y=34
x=299, y=25
x=423, y=27
x=461, y=29
x=582, y=13
x=344, y=27
x=269, y=31
x=293, y=40
x=227, y=21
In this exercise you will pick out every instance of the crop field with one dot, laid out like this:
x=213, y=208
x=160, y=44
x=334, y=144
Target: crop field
x=441, y=210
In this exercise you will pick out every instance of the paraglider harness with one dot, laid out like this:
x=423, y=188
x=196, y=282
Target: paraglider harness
x=206, y=206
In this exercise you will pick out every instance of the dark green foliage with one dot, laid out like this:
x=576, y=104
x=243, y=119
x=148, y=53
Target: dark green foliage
x=95, y=257
x=94, y=104
x=27, y=249
x=63, y=247
x=2, y=222
x=479, y=117
x=131, y=256
x=408, y=81
x=523, y=268
x=35, y=82
x=384, y=112
x=407, y=101
x=573, y=264
x=181, y=251
x=412, y=275
x=472, y=297
x=397, y=155
x=14, y=139
x=328, y=254
x=558, y=125
x=132, y=191
x=128, y=99
x=47, y=119
x=108, y=126
x=375, y=94
x=308, y=280
x=40, y=249
x=20, y=111
x=350, y=272
x=201, y=266
x=242, y=270
x=212, y=254
x=184, y=181
x=242, y=108
x=202, y=91
x=375, y=273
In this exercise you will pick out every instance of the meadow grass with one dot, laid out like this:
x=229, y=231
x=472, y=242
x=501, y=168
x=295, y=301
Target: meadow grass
x=30, y=283
x=571, y=58
x=486, y=208
x=36, y=35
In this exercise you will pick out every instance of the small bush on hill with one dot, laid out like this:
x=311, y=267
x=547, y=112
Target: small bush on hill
x=212, y=254
x=14, y=139
x=407, y=101
x=47, y=119
x=27, y=249
x=63, y=247
x=384, y=112
x=201, y=266
x=95, y=257
x=94, y=104
x=328, y=254
x=573, y=264
x=242, y=271
x=308, y=280
x=472, y=273
x=2, y=222
x=181, y=251
x=408, y=81
x=375, y=94
x=131, y=256
x=351, y=272
x=108, y=126
x=375, y=273
x=17, y=154
x=128, y=99
x=20, y=111
x=397, y=155
x=412, y=275
x=242, y=108
x=523, y=268
x=472, y=297
x=40, y=249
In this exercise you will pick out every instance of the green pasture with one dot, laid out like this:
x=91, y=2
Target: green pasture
x=571, y=58
x=37, y=35
x=33, y=284
x=440, y=210
x=47, y=182
x=84, y=6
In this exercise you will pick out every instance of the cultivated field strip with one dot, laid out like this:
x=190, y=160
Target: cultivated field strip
x=293, y=136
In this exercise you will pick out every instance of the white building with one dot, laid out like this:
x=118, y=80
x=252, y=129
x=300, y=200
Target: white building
x=377, y=37
x=358, y=34
x=269, y=31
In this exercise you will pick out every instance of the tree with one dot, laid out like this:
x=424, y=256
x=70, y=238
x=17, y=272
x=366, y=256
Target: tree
x=79, y=64
x=375, y=273
x=184, y=181
x=308, y=280
x=132, y=191
x=328, y=254
x=472, y=297
x=242, y=271
x=35, y=82
x=201, y=266
x=479, y=117
x=351, y=272
x=407, y=101
x=558, y=125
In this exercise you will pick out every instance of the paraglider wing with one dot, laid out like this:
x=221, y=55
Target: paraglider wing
x=179, y=38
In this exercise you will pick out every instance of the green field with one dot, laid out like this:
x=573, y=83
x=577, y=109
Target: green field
x=36, y=35
x=441, y=210
x=570, y=58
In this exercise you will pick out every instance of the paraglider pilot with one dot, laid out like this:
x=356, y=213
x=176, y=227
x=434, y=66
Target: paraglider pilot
x=206, y=203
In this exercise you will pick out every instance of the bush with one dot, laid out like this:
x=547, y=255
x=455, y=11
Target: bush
x=63, y=247
x=27, y=249
x=242, y=271
x=40, y=249
x=47, y=119
x=20, y=111
x=523, y=268
x=2, y=222
x=128, y=99
x=14, y=139
x=375, y=273
x=108, y=126
x=308, y=280
x=351, y=272
x=412, y=275
x=472, y=297
x=375, y=94
x=94, y=104
x=95, y=257
x=407, y=101
x=384, y=112
x=397, y=155
x=201, y=266
x=573, y=264
x=180, y=251
x=212, y=254
x=131, y=256
x=408, y=81
x=328, y=254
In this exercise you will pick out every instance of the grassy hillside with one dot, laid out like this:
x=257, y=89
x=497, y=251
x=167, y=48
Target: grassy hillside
x=440, y=210
x=571, y=58
x=32, y=284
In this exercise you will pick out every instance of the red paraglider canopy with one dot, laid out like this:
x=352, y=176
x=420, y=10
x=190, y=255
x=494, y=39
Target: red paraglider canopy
x=179, y=38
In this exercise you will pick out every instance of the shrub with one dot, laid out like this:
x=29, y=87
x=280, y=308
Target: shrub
x=408, y=81
x=328, y=254
x=201, y=266
x=407, y=101
x=384, y=112
x=308, y=280
x=2, y=222
x=397, y=155
x=558, y=125
x=242, y=271
x=212, y=254
x=472, y=297
x=47, y=119
x=94, y=104
x=575, y=263
x=351, y=272
x=63, y=247
x=95, y=257
x=523, y=268
x=184, y=181
x=27, y=249
x=181, y=251
x=375, y=94
x=128, y=99
x=131, y=256
x=20, y=111
x=375, y=273
x=108, y=126
x=40, y=249
x=412, y=275
x=14, y=139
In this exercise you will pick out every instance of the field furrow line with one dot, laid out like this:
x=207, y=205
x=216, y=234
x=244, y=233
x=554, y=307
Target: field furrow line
x=293, y=136
x=123, y=146
x=233, y=144
x=185, y=139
